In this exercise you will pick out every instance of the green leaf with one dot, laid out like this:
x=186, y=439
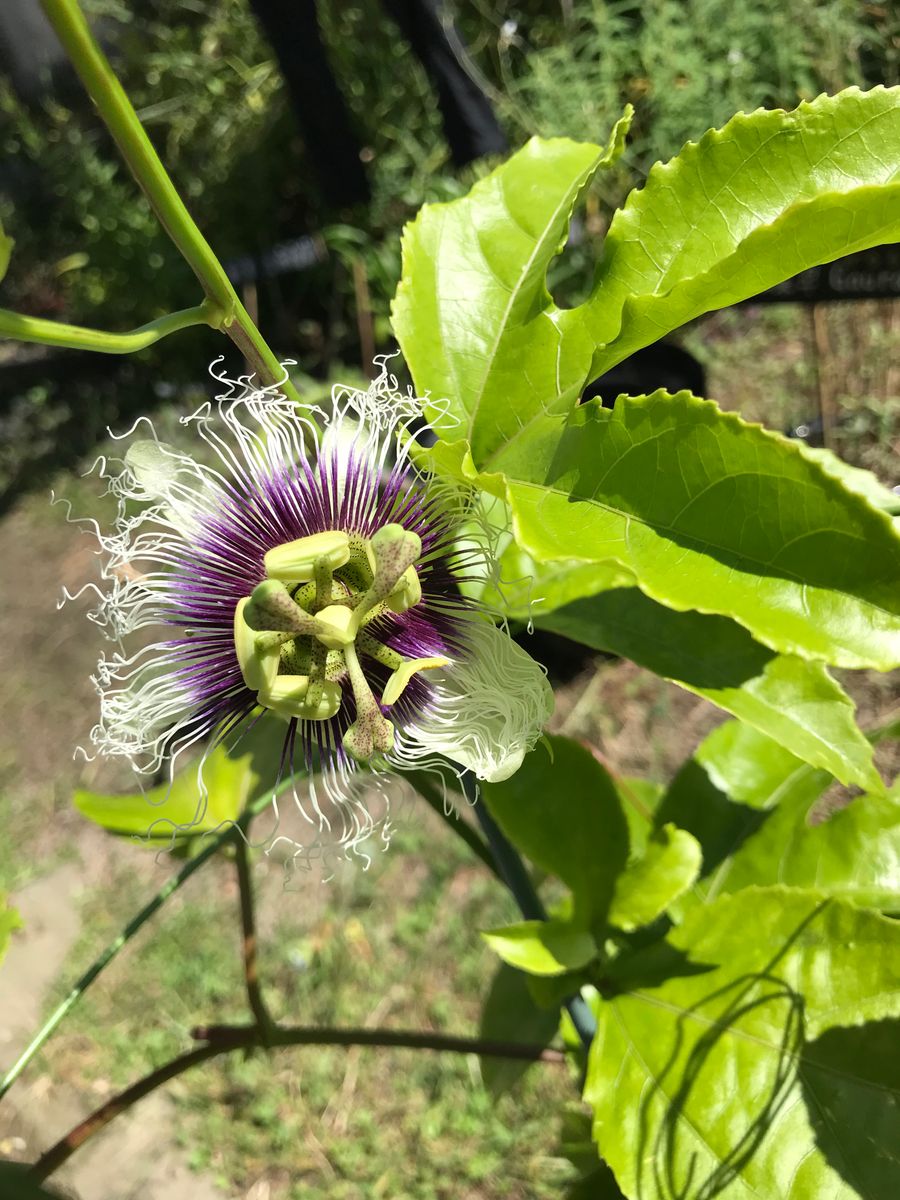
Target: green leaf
x=542, y=947
x=9, y=920
x=232, y=776
x=522, y=589
x=701, y=1083
x=747, y=766
x=510, y=1014
x=744, y=208
x=646, y=888
x=472, y=314
x=748, y=206
x=864, y=483
x=849, y=1079
x=795, y=702
x=713, y=514
x=562, y=810
x=6, y=245
x=596, y=1181
x=855, y=853
x=15, y=1184
x=640, y=799
x=722, y=794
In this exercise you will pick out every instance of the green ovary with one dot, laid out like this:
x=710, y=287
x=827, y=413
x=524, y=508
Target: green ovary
x=302, y=629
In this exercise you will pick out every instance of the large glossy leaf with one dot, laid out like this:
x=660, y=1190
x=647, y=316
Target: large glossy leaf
x=562, y=810
x=864, y=483
x=748, y=206
x=735, y=770
x=707, y=1083
x=793, y=701
x=744, y=208
x=231, y=776
x=522, y=589
x=850, y=1091
x=472, y=313
x=749, y=767
x=855, y=853
x=713, y=514
x=9, y=920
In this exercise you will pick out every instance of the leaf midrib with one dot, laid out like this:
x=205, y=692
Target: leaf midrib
x=567, y=199
x=741, y=1035
x=695, y=544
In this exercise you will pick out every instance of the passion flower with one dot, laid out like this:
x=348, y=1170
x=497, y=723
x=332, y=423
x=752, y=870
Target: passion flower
x=302, y=564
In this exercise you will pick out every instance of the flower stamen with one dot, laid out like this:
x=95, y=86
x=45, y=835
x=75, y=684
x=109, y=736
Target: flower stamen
x=371, y=731
x=396, y=685
x=294, y=562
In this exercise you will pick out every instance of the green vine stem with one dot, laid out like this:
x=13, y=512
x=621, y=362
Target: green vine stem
x=224, y=1038
x=232, y=832
x=423, y=782
x=117, y=113
x=76, y=337
x=514, y=874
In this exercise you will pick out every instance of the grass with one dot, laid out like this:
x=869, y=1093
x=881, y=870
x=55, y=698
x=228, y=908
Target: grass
x=395, y=946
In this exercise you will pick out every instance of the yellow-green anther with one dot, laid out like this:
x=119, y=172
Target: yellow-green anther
x=396, y=685
x=294, y=562
x=290, y=696
x=395, y=550
x=259, y=664
x=407, y=592
x=335, y=667
x=272, y=609
x=370, y=732
x=297, y=656
x=335, y=626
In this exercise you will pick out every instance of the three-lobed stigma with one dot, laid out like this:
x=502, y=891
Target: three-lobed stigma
x=302, y=630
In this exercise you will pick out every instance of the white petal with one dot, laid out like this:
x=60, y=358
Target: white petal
x=488, y=710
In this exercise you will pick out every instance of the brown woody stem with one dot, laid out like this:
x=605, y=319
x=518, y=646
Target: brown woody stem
x=222, y=1039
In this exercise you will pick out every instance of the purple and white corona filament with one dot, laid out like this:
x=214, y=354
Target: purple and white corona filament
x=314, y=575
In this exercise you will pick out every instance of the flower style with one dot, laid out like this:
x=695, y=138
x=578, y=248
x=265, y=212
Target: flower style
x=314, y=575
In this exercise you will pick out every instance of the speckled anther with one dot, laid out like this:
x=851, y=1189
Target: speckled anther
x=300, y=634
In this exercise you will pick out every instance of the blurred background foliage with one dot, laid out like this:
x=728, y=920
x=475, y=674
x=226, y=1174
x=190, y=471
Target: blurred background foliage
x=203, y=79
x=204, y=83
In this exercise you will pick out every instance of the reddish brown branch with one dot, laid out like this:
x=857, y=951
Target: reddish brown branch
x=221, y=1039
x=248, y=939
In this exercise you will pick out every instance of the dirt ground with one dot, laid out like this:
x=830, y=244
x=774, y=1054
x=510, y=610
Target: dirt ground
x=48, y=706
